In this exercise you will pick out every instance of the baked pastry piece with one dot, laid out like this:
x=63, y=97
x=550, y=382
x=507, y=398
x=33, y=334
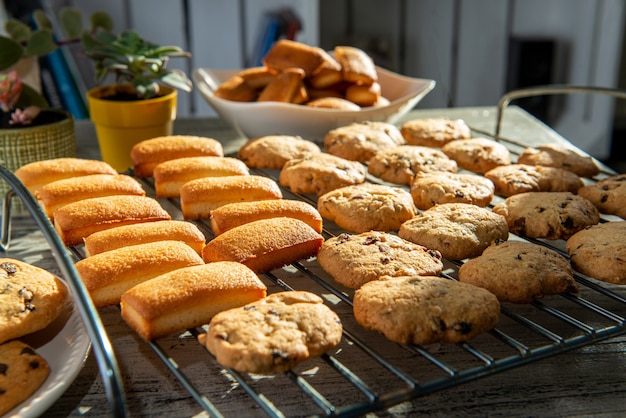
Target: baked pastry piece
x=171, y=175
x=520, y=178
x=367, y=206
x=273, y=151
x=257, y=77
x=108, y=275
x=80, y=219
x=400, y=164
x=232, y=215
x=429, y=189
x=599, y=251
x=327, y=74
x=434, y=132
x=425, y=310
x=353, y=260
x=188, y=297
x=288, y=87
x=477, y=154
x=199, y=197
x=555, y=215
x=36, y=174
x=608, y=195
x=457, y=230
x=357, y=66
x=22, y=372
x=519, y=272
x=237, y=90
x=286, y=54
x=59, y=193
x=274, y=334
x=141, y=233
x=360, y=141
x=30, y=298
x=559, y=156
x=330, y=102
x=265, y=244
x=149, y=153
x=364, y=95
x=320, y=173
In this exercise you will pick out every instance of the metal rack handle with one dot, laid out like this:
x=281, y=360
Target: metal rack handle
x=102, y=347
x=551, y=89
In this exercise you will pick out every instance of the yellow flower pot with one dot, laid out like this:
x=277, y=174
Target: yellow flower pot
x=120, y=124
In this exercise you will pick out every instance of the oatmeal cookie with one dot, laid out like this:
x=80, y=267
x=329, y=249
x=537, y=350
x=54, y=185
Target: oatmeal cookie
x=274, y=334
x=520, y=178
x=425, y=310
x=519, y=272
x=367, y=206
x=559, y=156
x=457, y=230
x=550, y=215
x=353, y=260
x=360, y=141
x=273, y=151
x=478, y=155
x=434, y=132
x=430, y=189
x=399, y=165
x=608, y=195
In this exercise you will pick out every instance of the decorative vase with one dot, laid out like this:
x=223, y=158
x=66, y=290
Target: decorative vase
x=120, y=124
x=27, y=144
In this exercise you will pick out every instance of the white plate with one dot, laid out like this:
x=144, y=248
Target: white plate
x=65, y=345
x=268, y=118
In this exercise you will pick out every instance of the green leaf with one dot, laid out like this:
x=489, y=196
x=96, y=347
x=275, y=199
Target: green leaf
x=42, y=21
x=71, y=21
x=11, y=52
x=41, y=43
x=17, y=30
x=101, y=20
x=177, y=79
x=30, y=97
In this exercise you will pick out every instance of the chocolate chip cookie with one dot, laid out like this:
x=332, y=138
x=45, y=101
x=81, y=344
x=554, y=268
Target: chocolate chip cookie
x=399, y=165
x=434, y=132
x=559, y=156
x=478, y=155
x=608, y=195
x=520, y=178
x=273, y=151
x=429, y=189
x=361, y=141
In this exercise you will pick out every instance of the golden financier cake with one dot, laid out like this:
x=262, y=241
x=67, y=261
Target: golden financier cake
x=108, y=275
x=286, y=54
x=360, y=141
x=30, y=298
x=400, y=164
x=22, y=372
x=356, y=65
x=519, y=272
x=320, y=173
x=478, y=155
x=265, y=244
x=188, y=297
x=425, y=309
x=287, y=87
x=549, y=215
x=201, y=196
x=59, y=193
x=434, y=132
x=599, y=251
x=171, y=175
x=331, y=102
x=142, y=233
x=430, y=189
x=78, y=220
x=608, y=195
x=274, y=334
x=559, y=156
x=36, y=174
x=521, y=178
x=234, y=214
x=273, y=151
x=353, y=260
x=367, y=206
x=149, y=153
x=457, y=230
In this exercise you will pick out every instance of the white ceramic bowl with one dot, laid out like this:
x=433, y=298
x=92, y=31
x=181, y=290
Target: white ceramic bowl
x=267, y=118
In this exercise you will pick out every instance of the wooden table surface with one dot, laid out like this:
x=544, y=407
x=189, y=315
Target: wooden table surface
x=588, y=381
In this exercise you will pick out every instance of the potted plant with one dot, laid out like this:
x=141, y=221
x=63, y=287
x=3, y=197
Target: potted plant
x=141, y=104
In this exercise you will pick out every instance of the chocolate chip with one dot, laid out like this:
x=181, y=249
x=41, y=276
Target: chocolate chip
x=34, y=365
x=463, y=327
x=9, y=267
x=604, y=198
x=4, y=368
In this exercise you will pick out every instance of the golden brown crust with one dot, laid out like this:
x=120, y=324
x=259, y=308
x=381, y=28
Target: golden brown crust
x=257, y=77
x=188, y=297
x=364, y=95
x=357, y=66
x=78, y=220
x=559, y=156
x=265, y=244
x=57, y=194
x=199, y=197
x=149, y=153
x=237, y=90
x=35, y=175
x=171, y=175
x=142, y=233
x=290, y=54
x=434, y=132
x=286, y=87
x=273, y=151
x=232, y=215
x=327, y=74
x=334, y=103
x=108, y=275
